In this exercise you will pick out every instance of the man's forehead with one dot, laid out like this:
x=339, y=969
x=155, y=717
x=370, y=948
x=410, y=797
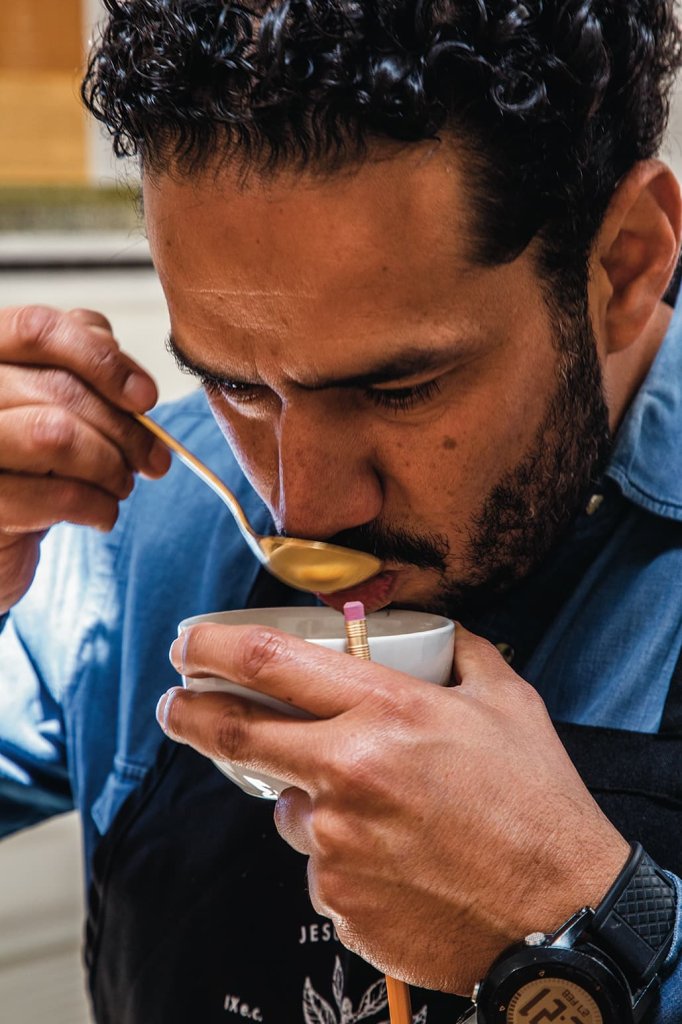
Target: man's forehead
x=386, y=210
x=378, y=240
x=304, y=272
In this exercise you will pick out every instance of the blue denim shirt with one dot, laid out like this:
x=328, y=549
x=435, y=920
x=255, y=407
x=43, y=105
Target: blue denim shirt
x=83, y=657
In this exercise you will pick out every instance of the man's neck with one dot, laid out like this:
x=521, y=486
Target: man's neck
x=626, y=371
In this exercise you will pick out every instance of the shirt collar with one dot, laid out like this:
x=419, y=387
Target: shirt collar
x=647, y=458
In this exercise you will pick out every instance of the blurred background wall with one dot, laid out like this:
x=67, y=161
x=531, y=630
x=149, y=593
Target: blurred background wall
x=70, y=236
x=45, y=133
x=47, y=138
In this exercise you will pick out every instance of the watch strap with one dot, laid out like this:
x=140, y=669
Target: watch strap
x=635, y=921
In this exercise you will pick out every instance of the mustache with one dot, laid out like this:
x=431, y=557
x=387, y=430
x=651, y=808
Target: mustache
x=391, y=544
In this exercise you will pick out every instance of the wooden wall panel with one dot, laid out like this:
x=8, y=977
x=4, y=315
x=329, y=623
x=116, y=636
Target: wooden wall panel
x=41, y=35
x=42, y=124
x=42, y=129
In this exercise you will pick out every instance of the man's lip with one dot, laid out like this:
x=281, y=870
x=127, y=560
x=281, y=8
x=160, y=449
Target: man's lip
x=374, y=594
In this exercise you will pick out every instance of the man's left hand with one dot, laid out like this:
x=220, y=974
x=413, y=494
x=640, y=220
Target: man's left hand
x=441, y=824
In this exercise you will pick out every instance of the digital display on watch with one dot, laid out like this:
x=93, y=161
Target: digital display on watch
x=552, y=999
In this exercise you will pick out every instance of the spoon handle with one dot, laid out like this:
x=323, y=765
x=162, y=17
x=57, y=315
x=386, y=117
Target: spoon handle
x=209, y=478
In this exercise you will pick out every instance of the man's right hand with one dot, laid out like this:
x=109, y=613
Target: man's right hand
x=68, y=446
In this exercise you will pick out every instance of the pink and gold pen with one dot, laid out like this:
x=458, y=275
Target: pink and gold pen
x=399, y=1004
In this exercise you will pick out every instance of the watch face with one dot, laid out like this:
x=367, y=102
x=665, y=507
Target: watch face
x=552, y=999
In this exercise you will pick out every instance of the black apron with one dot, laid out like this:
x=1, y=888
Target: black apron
x=199, y=912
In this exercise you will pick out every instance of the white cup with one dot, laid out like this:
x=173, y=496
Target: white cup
x=417, y=643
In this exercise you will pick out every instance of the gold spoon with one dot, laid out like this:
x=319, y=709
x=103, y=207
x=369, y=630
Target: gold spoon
x=304, y=564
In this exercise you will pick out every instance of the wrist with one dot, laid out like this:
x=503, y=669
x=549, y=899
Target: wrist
x=575, y=876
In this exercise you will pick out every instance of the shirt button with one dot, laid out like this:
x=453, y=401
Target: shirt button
x=507, y=652
x=594, y=504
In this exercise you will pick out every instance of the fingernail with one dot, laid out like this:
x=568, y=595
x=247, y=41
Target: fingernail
x=140, y=392
x=159, y=458
x=163, y=710
x=175, y=653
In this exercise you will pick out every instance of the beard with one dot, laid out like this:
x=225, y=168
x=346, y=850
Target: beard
x=528, y=511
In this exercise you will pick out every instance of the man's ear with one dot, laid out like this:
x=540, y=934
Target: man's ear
x=636, y=252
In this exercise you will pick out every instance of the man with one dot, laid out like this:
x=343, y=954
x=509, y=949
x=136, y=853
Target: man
x=417, y=255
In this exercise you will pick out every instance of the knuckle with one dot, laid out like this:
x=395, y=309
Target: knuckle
x=530, y=698
x=55, y=428
x=90, y=317
x=259, y=649
x=105, y=364
x=229, y=737
x=33, y=323
x=358, y=767
x=61, y=386
x=67, y=496
x=324, y=829
x=484, y=656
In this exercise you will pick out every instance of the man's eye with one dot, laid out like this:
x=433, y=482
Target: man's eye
x=403, y=399
x=234, y=390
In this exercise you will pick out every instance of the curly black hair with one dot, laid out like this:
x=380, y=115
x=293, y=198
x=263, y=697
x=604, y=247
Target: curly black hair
x=552, y=101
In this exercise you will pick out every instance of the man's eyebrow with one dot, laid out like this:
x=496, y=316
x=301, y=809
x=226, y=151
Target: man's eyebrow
x=407, y=362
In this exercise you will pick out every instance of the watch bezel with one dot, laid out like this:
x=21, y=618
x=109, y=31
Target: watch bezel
x=523, y=964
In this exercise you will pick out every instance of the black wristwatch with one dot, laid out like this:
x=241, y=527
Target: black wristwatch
x=601, y=967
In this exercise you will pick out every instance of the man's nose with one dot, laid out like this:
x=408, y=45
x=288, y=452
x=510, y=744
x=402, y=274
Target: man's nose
x=327, y=482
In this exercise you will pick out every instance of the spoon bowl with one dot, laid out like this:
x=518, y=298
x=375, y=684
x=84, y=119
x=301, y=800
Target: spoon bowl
x=316, y=566
x=309, y=565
